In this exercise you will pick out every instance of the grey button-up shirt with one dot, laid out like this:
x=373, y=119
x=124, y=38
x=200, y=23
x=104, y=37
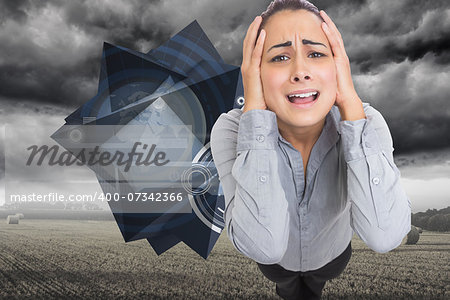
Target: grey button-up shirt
x=352, y=184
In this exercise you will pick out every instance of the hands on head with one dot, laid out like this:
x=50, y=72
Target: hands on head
x=251, y=65
x=250, y=68
x=347, y=99
x=343, y=73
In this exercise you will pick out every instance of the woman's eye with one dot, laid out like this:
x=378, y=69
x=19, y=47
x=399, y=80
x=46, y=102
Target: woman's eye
x=280, y=58
x=317, y=54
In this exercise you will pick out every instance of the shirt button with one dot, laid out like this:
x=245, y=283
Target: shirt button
x=304, y=228
x=376, y=180
x=367, y=144
x=260, y=138
x=262, y=178
x=365, y=133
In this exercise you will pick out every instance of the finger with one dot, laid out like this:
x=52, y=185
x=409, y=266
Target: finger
x=335, y=41
x=249, y=29
x=333, y=28
x=249, y=41
x=330, y=22
x=257, y=52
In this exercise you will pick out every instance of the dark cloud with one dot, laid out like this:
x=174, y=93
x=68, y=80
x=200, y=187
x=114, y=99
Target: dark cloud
x=431, y=35
x=51, y=50
x=413, y=98
x=350, y=5
x=399, y=50
x=400, y=54
x=13, y=9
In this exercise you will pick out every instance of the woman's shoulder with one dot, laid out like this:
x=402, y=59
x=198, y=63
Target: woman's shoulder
x=234, y=116
x=370, y=110
x=234, y=113
x=228, y=118
x=226, y=122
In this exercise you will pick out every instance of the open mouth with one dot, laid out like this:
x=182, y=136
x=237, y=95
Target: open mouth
x=303, y=98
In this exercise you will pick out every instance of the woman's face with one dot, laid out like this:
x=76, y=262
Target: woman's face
x=297, y=66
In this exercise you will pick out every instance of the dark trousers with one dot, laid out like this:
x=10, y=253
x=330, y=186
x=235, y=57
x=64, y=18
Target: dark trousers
x=305, y=285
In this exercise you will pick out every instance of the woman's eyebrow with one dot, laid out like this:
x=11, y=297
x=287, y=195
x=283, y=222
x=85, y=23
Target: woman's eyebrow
x=289, y=43
x=312, y=43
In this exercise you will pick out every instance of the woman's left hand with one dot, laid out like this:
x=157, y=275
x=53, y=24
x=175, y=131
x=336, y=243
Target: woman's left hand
x=347, y=100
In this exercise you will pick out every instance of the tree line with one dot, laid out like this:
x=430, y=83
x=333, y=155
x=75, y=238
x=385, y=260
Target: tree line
x=432, y=219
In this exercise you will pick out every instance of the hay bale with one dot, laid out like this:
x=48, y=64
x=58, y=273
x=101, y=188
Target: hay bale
x=12, y=219
x=413, y=236
x=20, y=215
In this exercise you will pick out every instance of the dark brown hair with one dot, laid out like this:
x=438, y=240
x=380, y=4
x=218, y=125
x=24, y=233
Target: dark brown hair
x=279, y=5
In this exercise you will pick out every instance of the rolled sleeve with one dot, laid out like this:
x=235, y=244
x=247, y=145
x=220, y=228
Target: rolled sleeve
x=359, y=138
x=258, y=129
x=380, y=211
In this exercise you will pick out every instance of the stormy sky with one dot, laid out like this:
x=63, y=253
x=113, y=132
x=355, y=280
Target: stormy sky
x=399, y=52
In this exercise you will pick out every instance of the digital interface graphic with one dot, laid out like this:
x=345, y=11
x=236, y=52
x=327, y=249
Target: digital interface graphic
x=150, y=125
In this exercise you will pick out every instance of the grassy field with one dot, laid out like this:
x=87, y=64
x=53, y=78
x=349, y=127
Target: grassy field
x=89, y=259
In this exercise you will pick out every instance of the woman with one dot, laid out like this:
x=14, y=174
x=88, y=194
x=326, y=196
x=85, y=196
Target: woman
x=306, y=162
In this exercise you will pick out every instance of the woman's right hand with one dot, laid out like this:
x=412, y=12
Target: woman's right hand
x=251, y=67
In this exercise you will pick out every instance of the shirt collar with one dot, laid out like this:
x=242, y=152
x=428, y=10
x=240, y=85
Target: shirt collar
x=327, y=139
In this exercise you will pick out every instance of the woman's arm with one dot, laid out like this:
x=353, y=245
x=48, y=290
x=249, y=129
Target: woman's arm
x=380, y=208
x=244, y=149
